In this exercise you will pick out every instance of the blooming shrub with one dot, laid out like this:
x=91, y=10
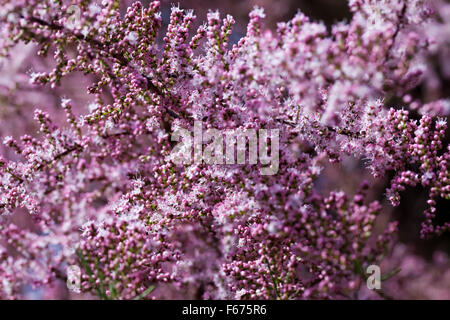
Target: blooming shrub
x=102, y=190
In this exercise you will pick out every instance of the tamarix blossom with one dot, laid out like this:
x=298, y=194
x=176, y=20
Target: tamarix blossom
x=96, y=183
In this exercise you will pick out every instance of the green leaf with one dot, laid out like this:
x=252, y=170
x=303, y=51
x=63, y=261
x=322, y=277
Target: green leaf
x=389, y=275
x=145, y=293
x=86, y=267
x=359, y=269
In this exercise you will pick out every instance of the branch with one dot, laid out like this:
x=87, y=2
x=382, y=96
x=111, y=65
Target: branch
x=100, y=46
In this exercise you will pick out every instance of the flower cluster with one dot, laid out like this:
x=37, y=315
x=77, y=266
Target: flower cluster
x=100, y=190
